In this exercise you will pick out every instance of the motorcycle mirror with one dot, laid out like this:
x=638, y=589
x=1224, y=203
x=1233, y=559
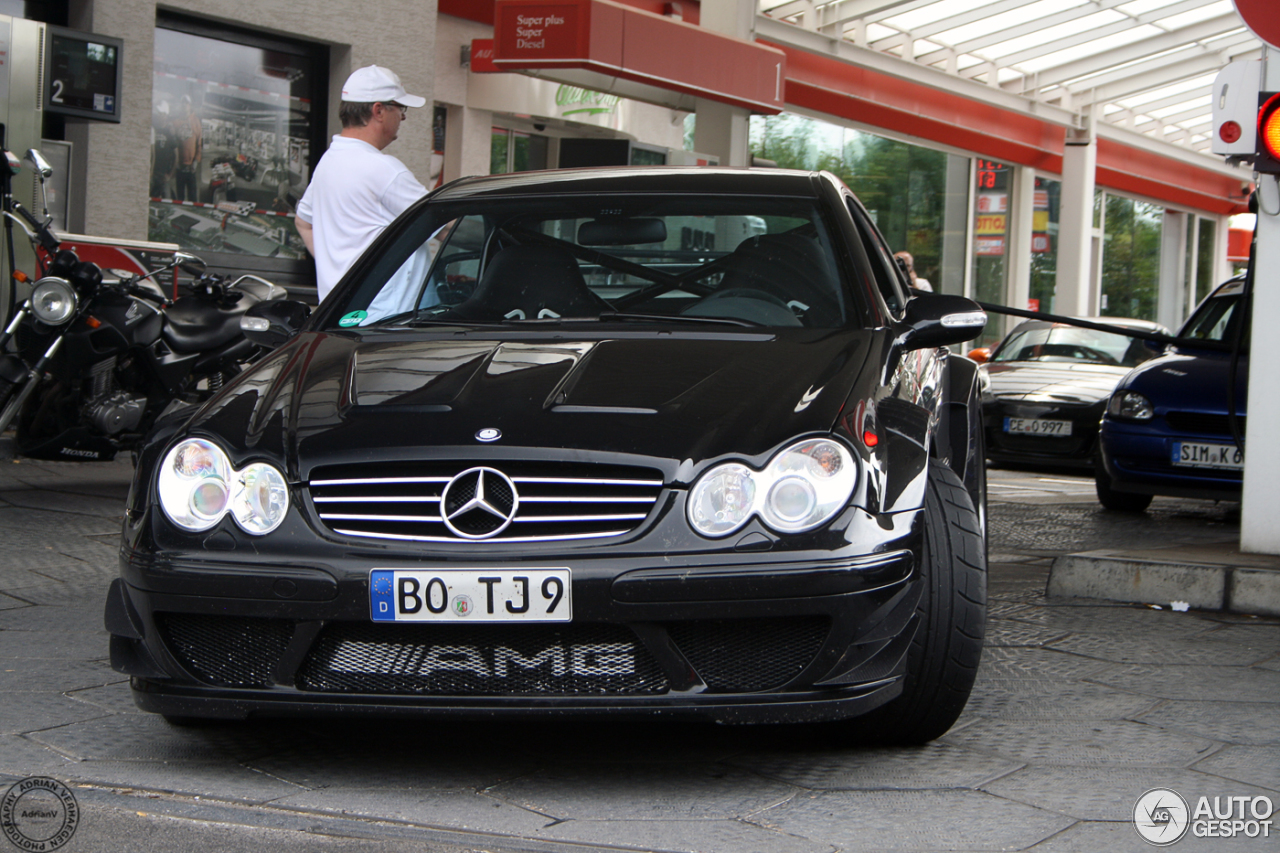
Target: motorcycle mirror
x=42, y=167
x=270, y=324
x=189, y=263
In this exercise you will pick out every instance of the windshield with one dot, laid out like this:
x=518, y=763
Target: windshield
x=731, y=260
x=1062, y=343
x=1216, y=318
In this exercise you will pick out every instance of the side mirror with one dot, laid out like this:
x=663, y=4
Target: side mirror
x=189, y=263
x=940, y=320
x=270, y=324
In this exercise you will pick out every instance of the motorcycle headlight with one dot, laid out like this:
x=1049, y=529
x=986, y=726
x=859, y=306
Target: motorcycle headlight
x=197, y=487
x=53, y=300
x=1130, y=405
x=802, y=487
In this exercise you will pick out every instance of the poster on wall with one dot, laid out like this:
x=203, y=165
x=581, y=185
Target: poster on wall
x=230, y=144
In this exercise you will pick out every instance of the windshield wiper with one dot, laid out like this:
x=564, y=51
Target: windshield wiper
x=627, y=317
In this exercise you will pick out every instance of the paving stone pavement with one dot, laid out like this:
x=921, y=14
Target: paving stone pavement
x=1080, y=707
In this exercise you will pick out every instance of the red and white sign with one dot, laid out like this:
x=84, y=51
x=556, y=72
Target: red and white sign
x=993, y=202
x=988, y=246
x=1040, y=243
x=482, y=57
x=619, y=40
x=1262, y=19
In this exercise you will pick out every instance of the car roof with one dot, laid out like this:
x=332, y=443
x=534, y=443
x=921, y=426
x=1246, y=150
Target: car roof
x=638, y=179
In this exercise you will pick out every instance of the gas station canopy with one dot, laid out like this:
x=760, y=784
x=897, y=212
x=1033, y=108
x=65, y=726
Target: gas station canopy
x=1145, y=66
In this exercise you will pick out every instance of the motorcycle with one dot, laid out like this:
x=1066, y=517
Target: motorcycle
x=99, y=357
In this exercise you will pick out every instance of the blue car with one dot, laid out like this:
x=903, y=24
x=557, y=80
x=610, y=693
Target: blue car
x=1166, y=429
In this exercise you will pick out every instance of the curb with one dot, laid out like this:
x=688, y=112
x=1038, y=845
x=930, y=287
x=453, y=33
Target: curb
x=1204, y=586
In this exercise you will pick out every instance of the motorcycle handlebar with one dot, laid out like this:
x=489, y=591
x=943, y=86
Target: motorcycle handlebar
x=43, y=234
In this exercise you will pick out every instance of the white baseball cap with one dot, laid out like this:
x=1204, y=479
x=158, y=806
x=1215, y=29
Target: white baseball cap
x=374, y=83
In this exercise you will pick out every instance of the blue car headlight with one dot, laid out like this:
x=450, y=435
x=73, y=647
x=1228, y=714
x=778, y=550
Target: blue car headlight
x=802, y=487
x=1130, y=406
x=197, y=487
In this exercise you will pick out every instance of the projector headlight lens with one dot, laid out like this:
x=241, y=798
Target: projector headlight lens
x=197, y=487
x=801, y=488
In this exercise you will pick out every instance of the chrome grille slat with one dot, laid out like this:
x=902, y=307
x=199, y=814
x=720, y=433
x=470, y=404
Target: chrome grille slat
x=556, y=501
x=504, y=539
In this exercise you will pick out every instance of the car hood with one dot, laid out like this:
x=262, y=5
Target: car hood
x=1041, y=382
x=332, y=398
x=1190, y=381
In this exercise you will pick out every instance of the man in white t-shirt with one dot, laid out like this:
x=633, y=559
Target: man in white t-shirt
x=356, y=190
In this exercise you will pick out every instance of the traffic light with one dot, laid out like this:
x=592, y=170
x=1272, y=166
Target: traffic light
x=1267, y=159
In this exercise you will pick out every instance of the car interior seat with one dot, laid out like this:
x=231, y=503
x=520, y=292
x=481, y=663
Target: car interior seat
x=791, y=268
x=531, y=282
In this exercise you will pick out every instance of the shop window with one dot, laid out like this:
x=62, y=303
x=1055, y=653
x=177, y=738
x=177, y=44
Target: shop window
x=1130, y=258
x=1044, y=244
x=905, y=188
x=235, y=119
x=1206, y=265
x=991, y=230
x=516, y=151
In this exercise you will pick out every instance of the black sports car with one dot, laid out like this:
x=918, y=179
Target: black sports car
x=1047, y=383
x=636, y=441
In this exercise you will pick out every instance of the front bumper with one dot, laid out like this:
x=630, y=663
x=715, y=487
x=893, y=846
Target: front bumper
x=1075, y=450
x=1138, y=459
x=732, y=637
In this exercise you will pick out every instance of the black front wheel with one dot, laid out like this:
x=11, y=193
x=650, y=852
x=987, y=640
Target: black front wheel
x=1114, y=500
x=951, y=618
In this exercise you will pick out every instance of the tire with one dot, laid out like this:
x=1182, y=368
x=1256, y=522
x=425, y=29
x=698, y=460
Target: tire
x=942, y=662
x=1117, y=501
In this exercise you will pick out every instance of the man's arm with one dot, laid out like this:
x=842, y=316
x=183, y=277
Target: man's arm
x=306, y=232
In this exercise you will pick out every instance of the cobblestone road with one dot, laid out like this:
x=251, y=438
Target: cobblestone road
x=1080, y=707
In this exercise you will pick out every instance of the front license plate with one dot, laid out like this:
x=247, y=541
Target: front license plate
x=1036, y=426
x=470, y=595
x=1188, y=454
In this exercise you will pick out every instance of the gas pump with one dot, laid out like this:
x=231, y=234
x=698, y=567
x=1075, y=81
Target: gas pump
x=21, y=119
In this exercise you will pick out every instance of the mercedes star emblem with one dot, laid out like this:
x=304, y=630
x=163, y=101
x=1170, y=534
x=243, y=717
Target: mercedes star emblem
x=479, y=503
x=489, y=434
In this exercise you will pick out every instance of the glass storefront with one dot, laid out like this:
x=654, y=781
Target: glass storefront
x=232, y=133
x=1044, y=245
x=906, y=188
x=1130, y=257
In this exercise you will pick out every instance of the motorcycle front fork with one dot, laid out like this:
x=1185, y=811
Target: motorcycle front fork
x=29, y=385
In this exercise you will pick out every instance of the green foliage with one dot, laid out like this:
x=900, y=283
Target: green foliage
x=902, y=185
x=1131, y=258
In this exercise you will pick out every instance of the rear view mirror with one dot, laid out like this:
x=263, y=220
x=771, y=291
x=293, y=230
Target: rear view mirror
x=941, y=320
x=622, y=232
x=189, y=263
x=270, y=324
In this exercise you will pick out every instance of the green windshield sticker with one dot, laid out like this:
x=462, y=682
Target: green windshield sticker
x=353, y=319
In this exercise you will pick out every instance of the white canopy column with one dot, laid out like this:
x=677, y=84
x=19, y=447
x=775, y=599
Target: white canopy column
x=1075, y=292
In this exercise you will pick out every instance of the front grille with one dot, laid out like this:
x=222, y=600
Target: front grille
x=1201, y=423
x=227, y=651
x=502, y=502
x=747, y=655
x=480, y=660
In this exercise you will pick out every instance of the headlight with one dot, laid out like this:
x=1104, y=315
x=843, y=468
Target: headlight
x=1130, y=405
x=197, y=488
x=53, y=300
x=802, y=487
